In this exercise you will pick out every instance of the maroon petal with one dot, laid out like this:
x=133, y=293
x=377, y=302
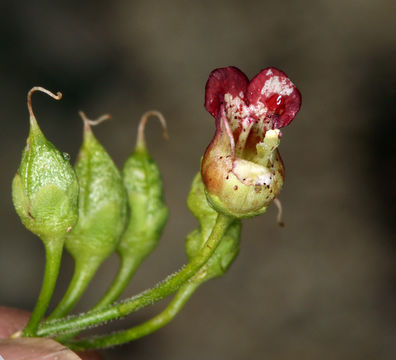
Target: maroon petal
x=229, y=80
x=279, y=95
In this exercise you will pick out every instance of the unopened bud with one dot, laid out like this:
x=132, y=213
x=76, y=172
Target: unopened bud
x=45, y=188
x=102, y=204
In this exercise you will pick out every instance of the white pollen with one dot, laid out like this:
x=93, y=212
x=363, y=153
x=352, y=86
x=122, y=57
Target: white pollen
x=241, y=95
x=277, y=86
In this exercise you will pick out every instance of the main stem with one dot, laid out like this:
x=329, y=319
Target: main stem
x=53, y=255
x=148, y=297
x=144, y=329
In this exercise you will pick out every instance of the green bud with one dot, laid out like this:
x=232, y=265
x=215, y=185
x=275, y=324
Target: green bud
x=45, y=188
x=102, y=215
x=102, y=204
x=45, y=196
x=148, y=212
x=228, y=249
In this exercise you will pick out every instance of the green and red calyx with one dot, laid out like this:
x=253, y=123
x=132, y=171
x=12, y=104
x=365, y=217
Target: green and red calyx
x=242, y=169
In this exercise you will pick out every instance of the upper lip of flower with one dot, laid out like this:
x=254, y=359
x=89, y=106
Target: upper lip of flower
x=249, y=109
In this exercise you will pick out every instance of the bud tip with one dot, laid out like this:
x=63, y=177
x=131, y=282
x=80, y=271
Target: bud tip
x=88, y=122
x=140, y=143
x=58, y=96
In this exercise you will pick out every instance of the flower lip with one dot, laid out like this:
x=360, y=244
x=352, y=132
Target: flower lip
x=221, y=81
x=270, y=97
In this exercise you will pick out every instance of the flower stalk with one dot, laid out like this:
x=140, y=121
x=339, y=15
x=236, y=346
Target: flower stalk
x=53, y=255
x=144, y=329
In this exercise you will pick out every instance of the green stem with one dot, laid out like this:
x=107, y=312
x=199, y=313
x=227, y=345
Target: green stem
x=84, y=271
x=53, y=255
x=127, y=268
x=148, y=297
x=144, y=329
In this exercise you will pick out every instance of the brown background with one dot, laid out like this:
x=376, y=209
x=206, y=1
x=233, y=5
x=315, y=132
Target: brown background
x=321, y=288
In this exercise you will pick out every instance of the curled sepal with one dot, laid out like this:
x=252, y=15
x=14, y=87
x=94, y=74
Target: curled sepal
x=45, y=188
x=102, y=215
x=228, y=249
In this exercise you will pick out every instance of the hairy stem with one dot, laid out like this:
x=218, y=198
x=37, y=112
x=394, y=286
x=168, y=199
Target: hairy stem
x=127, y=268
x=148, y=297
x=144, y=329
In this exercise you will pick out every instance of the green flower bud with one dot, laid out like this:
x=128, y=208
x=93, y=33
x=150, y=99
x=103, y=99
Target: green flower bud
x=148, y=212
x=102, y=204
x=45, y=188
x=228, y=249
x=102, y=214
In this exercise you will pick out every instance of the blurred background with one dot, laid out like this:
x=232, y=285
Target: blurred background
x=323, y=287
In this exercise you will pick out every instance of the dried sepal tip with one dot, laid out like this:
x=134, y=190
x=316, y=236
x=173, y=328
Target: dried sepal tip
x=88, y=122
x=140, y=142
x=58, y=96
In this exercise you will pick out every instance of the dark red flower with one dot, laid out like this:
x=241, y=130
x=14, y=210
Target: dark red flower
x=242, y=169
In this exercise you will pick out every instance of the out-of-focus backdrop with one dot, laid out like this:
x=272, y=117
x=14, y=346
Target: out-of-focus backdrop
x=323, y=287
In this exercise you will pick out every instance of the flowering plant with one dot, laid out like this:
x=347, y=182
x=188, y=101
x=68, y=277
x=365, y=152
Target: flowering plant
x=92, y=210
